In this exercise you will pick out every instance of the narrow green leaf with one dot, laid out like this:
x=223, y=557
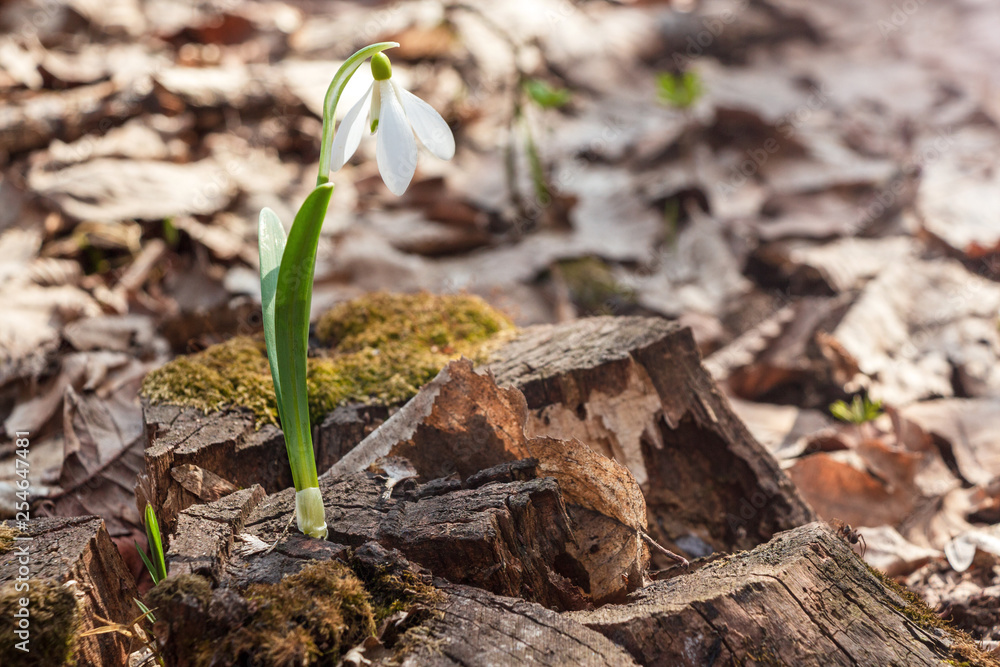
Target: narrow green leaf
x=271, y=245
x=155, y=545
x=293, y=301
x=545, y=95
x=333, y=94
x=840, y=410
x=145, y=559
x=146, y=611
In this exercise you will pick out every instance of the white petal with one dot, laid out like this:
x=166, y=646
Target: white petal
x=348, y=135
x=395, y=148
x=430, y=127
x=373, y=112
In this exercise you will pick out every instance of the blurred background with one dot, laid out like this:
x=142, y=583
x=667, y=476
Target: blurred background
x=811, y=187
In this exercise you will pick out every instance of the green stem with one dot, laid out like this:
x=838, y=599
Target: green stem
x=292, y=303
x=333, y=94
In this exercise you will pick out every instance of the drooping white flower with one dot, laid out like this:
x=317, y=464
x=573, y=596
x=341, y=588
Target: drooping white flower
x=394, y=115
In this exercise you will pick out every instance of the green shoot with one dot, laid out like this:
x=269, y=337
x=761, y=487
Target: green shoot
x=146, y=611
x=545, y=95
x=679, y=90
x=286, y=276
x=155, y=562
x=860, y=410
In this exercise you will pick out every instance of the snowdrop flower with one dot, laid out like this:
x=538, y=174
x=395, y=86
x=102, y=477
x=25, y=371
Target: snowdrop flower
x=394, y=115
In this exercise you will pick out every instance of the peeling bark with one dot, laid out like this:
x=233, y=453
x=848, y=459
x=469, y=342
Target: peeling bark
x=79, y=549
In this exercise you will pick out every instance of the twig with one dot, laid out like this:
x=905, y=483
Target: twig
x=665, y=551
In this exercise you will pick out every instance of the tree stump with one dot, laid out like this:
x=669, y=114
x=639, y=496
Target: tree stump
x=64, y=550
x=226, y=452
x=474, y=627
x=508, y=537
x=631, y=388
x=634, y=389
x=804, y=598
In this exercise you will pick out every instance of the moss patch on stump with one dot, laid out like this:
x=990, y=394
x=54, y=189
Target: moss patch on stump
x=309, y=618
x=380, y=347
x=52, y=623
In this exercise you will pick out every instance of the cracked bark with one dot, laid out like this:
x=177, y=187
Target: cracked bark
x=804, y=598
x=78, y=549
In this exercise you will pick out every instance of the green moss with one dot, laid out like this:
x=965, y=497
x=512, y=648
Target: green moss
x=234, y=373
x=381, y=347
x=963, y=647
x=309, y=618
x=52, y=622
x=7, y=535
x=396, y=591
x=593, y=287
x=183, y=587
x=320, y=612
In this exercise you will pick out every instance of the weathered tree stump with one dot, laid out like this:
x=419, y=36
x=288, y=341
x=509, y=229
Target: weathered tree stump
x=634, y=389
x=804, y=598
x=630, y=388
x=61, y=551
x=508, y=537
x=474, y=627
x=231, y=453
x=444, y=624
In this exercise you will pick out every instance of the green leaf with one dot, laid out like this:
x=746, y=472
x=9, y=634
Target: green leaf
x=332, y=98
x=840, y=410
x=271, y=245
x=292, y=303
x=860, y=410
x=145, y=559
x=545, y=95
x=146, y=611
x=679, y=90
x=156, y=563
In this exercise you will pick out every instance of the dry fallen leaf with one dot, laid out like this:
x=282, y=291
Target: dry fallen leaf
x=113, y=189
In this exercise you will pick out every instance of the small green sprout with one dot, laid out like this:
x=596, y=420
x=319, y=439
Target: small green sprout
x=860, y=411
x=155, y=562
x=679, y=90
x=287, y=264
x=545, y=95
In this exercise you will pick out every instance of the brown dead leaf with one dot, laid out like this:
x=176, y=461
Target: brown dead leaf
x=838, y=486
x=113, y=190
x=918, y=325
x=103, y=455
x=970, y=430
x=591, y=480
